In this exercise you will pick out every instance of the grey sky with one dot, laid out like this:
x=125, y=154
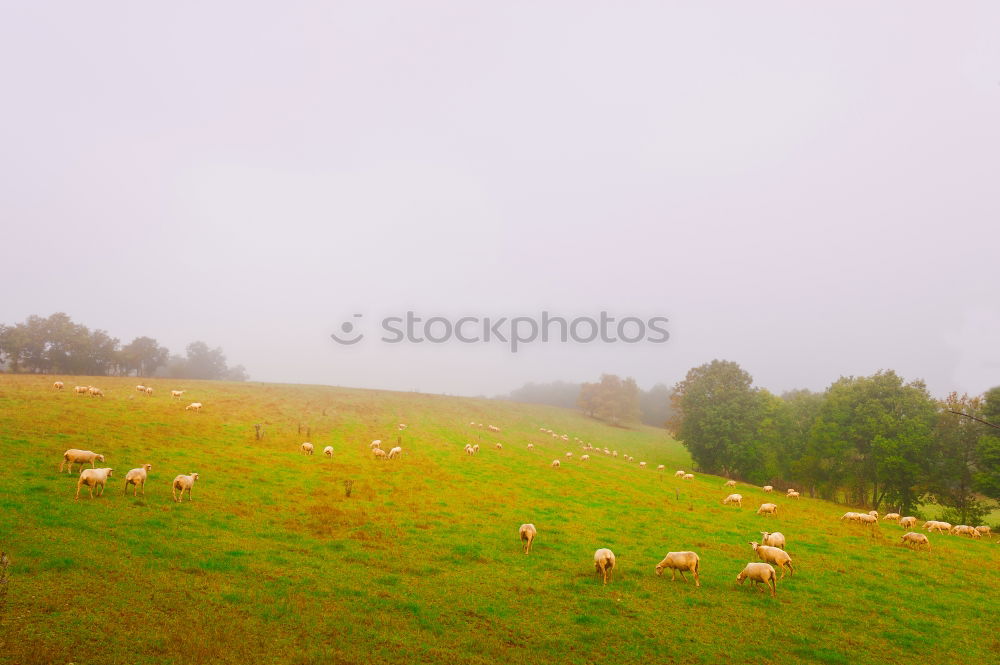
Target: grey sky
x=809, y=189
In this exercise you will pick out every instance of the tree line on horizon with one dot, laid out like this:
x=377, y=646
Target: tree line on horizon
x=57, y=345
x=613, y=399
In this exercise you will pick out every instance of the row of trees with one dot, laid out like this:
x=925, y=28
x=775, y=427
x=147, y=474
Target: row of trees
x=57, y=345
x=872, y=440
x=614, y=399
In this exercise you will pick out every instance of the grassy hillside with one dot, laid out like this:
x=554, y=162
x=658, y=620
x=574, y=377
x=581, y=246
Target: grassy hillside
x=272, y=563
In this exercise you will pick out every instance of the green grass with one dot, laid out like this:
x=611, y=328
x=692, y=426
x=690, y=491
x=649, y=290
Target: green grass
x=272, y=563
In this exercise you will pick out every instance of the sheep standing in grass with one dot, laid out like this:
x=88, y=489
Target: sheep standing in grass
x=891, y=517
x=604, y=563
x=58, y=385
x=93, y=478
x=934, y=525
x=95, y=392
x=767, y=488
x=873, y=513
x=475, y=448
x=775, y=556
x=527, y=533
x=730, y=483
x=499, y=446
x=734, y=498
x=868, y=520
x=469, y=450
x=307, y=448
x=394, y=453
x=661, y=467
x=555, y=463
x=193, y=406
x=81, y=457
x=176, y=394
x=775, y=539
x=183, y=483
x=678, y=474
x=679, y=562
x=916, y=539
x=81, y=390
x=849, y=516
x=377, y=443
x=379, y=453
x=908, y=521
x=757, y=573
x=137, y=477
x=584, y=458
x=140, y=389
x=328, y=451
x=964, y=530
x=642, y=465
x=768, y=509
x=688, y=476
x=792, y=494
x=983, y=530
x=531, y=446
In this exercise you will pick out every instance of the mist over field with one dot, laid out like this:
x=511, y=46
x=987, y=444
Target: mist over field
x=806, y=190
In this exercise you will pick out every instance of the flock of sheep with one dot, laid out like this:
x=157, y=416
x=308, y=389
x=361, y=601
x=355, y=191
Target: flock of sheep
x=94, y=478
x=912, y=537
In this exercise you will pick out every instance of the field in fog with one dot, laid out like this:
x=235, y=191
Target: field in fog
x=272, y=563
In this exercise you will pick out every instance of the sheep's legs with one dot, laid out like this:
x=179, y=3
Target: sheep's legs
x=683, y=579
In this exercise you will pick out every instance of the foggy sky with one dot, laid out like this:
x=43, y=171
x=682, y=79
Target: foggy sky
x=809, y=189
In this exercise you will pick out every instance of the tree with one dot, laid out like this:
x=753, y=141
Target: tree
x=612, y=399
x=654, y=405
x=956, y=443
x=987, y=476
x=716, y=412
x=205, y=363
x=144, y=356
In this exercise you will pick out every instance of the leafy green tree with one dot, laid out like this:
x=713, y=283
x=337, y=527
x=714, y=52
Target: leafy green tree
x=987, y=477
x=144, y=356
x=612, y=399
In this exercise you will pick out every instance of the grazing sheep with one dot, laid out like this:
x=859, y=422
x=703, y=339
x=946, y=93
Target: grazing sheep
x=183, y=483
x=678, y=474
x=140, y=389
x=604, y=563
x=499, y=446
x=531, y=446
x=401, y=426
x=775, y=539
x=93, y=478
x=730, y=483
x=379, y=453
x=328, y=451
x=475, y=448
x=148, y=391
x=873, y=513
x=891, y=517
x=688, y=476
x=493, y=428
x=868, y=520
x=767, y=488
x=775, y=556
x=527, y=533
x=137, y=477
x=468, y=449
x=58, y=385
x=907, y=521
x=679, y=562
x=934, y=525
x=584, y=458
x=307, y=448
x=916, y=539
x=395, y=452
x=757, y=573
x=661, y=467
x=789, y=490
x=768, y=509
x=850, y=517
x=81, y=457
x=193, y=406
x=555, y=463
x=81, y=390
x=792, y=494
x=614, y=453
x=983, y=530
x=176, y=394
x=734, y=498
x=569, y=454
x=95, y=392
x=377, y=443
x=642, y=465
x=963, y=529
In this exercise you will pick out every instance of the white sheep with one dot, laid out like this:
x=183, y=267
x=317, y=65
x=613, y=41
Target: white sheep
x=379, y=453
x=81, y=457
x=527, y=533
x=569, y=454
x=775, y=539
x=531, y=446
x=789, y=490
x=401, y=426
x=730, y=483
x=792, y=494
x=678, y=474
x=661, y=467
x=768, y=509
x=95, y=392
x=58, y=385
x=183, y=483
x=395, y=452
x=493, y=428
x=148, y=391
x=307, y=448
x=469, y=450
x=93, y=478
x=940, y=527
x=604, y=563
x=555, y=463
x=475, y=448
x=679, y=562
x=983, y=530
x=377, y=443
x=642, y=465
x=868, y=520
x=734, y=498
x=891, y=517
x=908, y=521
x=499, y=446
x=81, y=390
x=176, y=394
x=966, y=530
x=873, y=513
x=137, y=477
x=328, y=451
x=767, y=488
x=775, y=556
x=193, y=406
x=140, y=389
x=916, y=539
x=688, y=476
x=850, y=516
x=757, y=573
x=584, y=458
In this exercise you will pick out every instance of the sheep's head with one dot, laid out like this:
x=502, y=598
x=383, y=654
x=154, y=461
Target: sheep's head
x=100, y=458
x=147, y=467
x=109, y=472
x=659, y=570
x=742, y=575
x=754, y=545
x=194, y=476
